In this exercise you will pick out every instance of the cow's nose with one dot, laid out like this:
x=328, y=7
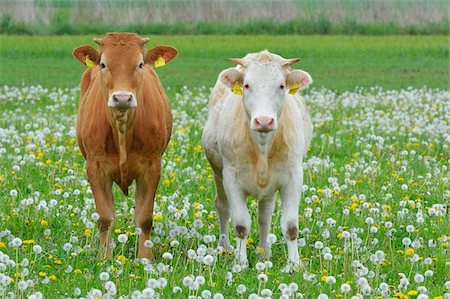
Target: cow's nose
x=264, y=123
x=122, y=100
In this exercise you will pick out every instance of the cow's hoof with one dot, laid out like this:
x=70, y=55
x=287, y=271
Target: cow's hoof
x=145, y=252
x=224, y=241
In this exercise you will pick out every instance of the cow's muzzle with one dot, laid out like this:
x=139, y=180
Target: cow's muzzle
x=122, y=99
x=264, y=124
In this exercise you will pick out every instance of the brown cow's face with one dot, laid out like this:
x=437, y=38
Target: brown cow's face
x=121, y=61
x=121, y=71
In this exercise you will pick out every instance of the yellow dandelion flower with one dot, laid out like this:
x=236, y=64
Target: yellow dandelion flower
x=42, y=274
x=44, y=222
x=28, y=242
x=158, y=217
x=88, y=232
x=122, y=258
x=52, y=277
x=2, y=245
x=409, y=251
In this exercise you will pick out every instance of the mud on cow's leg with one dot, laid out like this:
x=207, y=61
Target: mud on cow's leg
x=241, y=217
x=290, y=200
x=101, y=186
x=145, y=199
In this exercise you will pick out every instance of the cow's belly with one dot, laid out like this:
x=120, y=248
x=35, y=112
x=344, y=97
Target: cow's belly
x=278, y=176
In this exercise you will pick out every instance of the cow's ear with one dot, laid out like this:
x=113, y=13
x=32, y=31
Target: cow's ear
x=160, y=55
x=83, y=52
x=231, y=76
x=298, y=80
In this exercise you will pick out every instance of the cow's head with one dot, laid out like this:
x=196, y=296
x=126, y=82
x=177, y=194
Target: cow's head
x=121, y=60
x=264, y=79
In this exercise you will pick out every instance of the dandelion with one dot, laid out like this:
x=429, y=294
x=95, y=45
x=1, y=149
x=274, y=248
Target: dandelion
x=241, y=289
x=167, y=256
x=346, y=288
x=104, y=276
x=266, y=293
x=16, y=242
x=206, y=294
x=330, y=280
x=122, y=238
x=208, y=260
x=262, y=277
x=260, y=266
x=271, y=239
x=37, y=249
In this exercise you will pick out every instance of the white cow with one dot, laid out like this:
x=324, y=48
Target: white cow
x=256, y=135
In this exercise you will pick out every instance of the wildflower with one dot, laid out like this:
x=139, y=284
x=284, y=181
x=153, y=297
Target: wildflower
x=167, y=256
x=262, y=278
x=241, y=289
x=208, y=260
x=260, y=266
x=346, y=288
x=16, y=242
x=271, y=239
x=104, y=276
x=122, y=238
x=409, y=251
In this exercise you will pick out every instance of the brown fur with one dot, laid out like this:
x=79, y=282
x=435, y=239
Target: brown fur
x=292, y=231
x=123, y=146
x=240, y=231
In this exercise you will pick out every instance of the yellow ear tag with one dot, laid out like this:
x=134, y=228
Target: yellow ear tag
x=160, y=61
x=89, y=62
x=236, y=89
x=293, y=88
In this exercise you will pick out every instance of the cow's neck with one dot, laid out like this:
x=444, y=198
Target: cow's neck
x=263, y=144
x=122, y=122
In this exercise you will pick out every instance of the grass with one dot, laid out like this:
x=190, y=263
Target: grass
x=376, y=184
x=336, y=62
x=375, y=201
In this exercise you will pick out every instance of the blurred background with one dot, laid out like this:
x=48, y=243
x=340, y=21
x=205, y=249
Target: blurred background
x=48, y=17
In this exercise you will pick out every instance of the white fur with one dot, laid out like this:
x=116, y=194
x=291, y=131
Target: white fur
x=247, y=162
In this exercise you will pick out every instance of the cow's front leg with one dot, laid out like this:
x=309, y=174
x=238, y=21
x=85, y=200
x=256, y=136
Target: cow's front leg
x=101, y=185
x=290, y=200
x=265, y=212
x=241, y=217
x=146, y=186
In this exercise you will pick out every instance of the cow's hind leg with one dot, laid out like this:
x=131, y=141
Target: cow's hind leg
x=101, y=186
x=265, y=211
x=145, y=198
x=223, y=210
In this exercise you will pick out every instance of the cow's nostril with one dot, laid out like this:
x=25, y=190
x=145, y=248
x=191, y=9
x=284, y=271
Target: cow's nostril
x=129, y=99
x=115, y=99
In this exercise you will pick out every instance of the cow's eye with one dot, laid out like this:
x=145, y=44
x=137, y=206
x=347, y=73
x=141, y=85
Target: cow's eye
x=141, y=65
x=103, y=65
x=282, y=86
x=246, y=86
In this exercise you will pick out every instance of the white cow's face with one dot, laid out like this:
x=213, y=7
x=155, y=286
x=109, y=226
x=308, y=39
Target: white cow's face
x=265, y=83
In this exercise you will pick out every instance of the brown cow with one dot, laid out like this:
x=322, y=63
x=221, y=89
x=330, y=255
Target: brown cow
x=123, y=127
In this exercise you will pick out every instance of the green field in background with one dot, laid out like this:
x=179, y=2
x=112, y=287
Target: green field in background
x=336, y=62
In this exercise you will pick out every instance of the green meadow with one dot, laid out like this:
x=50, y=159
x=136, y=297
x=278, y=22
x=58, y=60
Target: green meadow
x=335, y=62
x=374, y=215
